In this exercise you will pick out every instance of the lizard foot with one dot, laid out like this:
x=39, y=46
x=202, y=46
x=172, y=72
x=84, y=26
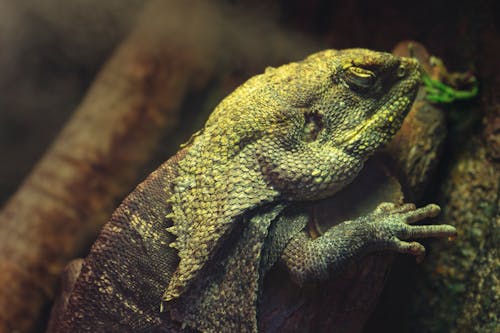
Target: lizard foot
x=393, y=230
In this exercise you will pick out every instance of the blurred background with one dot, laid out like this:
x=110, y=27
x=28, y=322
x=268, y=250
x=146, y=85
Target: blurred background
x=50, y=51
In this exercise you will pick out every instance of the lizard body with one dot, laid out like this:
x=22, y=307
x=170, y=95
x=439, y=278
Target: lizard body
x=196, y=238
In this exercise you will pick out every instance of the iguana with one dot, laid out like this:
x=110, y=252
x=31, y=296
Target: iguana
x=188, y=248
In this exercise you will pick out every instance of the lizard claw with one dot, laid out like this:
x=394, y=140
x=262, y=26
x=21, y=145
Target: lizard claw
x=392, y=226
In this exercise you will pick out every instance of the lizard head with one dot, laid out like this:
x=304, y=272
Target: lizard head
x=312, y=124
x=329, y=113
x=371, y=94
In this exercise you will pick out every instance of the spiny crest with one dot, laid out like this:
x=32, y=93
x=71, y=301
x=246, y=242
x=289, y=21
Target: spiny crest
x=215, y=185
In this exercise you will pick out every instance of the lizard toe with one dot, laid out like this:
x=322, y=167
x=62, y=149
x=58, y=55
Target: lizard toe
x=431, y=210
x=414, y=248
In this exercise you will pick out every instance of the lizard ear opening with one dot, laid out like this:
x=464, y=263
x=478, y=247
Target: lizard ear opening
x=312, y=126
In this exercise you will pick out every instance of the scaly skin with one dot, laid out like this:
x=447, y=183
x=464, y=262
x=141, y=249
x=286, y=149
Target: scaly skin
x=195, y=239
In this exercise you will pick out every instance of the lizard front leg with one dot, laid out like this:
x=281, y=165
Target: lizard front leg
x=388, y=228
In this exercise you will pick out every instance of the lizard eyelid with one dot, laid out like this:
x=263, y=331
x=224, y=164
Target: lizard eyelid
x=358, y=77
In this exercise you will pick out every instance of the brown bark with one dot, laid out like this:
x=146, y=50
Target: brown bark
x=470, y=194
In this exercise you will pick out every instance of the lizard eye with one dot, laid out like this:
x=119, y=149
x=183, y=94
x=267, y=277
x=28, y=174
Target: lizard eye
x=358, y=77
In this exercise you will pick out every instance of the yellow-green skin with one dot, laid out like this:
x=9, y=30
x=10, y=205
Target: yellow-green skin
x=255, y=147
x=188, y=249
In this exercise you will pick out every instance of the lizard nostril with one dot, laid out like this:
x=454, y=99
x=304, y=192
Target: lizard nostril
x=401, y=72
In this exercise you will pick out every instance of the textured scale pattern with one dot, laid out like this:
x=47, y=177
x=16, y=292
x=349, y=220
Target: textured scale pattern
x=252, y=152
x=189, y=247
x=121, y=281
x=230, y=297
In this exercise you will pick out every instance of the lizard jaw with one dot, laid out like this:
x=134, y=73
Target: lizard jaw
x=377, y=130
